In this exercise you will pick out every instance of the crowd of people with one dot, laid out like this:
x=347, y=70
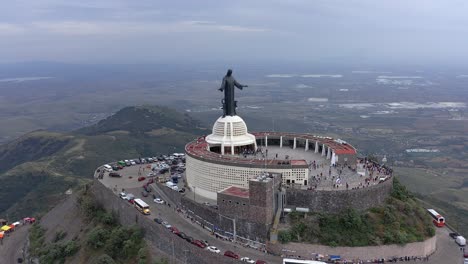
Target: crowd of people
x=337, y=260
x=341, y=175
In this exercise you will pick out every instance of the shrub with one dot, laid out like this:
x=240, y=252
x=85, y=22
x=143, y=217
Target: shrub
x=284, y=236
x=59, y=235
x=104, y=259
x=97, y=237
x=71, y=247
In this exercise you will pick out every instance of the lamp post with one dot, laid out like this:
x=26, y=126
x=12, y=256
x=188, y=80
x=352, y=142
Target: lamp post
x=194, y=193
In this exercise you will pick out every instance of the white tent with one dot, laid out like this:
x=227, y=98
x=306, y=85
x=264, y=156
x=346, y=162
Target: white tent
x=333, y=159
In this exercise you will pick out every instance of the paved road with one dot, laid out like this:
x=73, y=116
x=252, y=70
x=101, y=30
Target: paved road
x=447, y=250
x=13, y=245
x=194, y=230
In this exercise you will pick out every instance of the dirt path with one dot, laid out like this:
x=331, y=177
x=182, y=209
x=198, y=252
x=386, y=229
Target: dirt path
x=13, y=245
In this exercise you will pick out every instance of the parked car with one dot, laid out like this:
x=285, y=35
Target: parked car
x=174, y=230
x=141, y=178
x=260, y=262
x=248, y=260
x=144, y=193
x=158, y=220
x=189, y=239
x=213, y=249
x=231, y=254
x=123, y=195
x=182, y=235
x=199, y=244
x=158, y=201
x=166, y=224
x=114, y=174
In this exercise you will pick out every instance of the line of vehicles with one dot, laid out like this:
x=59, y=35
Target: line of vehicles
x=164, y=162
x=439, y=221
x=204, y=244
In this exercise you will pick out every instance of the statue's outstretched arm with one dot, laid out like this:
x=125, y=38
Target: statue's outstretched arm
x=238, y=85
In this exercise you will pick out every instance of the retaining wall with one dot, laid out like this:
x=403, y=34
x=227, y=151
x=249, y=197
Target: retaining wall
x=419, y=249
x=158, y=235
x=338, y=201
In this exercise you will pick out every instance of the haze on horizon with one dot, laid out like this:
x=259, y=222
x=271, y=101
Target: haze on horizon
x=115, y=31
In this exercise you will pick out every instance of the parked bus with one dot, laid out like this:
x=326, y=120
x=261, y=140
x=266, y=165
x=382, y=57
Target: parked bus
x=142, y=206
x=298, y=261
x=439, y=220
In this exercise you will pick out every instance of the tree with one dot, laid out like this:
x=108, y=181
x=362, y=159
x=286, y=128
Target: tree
x=104, y=259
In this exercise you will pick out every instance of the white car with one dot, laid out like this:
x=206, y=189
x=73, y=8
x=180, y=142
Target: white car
x=158, y=201
x=166, y=224
x=248, y=260
x=213, y=249
x=123, y=195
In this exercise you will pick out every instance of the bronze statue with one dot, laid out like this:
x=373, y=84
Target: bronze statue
x=229, y=105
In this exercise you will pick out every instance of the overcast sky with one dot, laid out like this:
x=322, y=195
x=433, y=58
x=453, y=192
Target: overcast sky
x=100, y=31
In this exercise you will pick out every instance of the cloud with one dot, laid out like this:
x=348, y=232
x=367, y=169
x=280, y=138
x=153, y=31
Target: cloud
x=211, y=25
x=117, y=28
x=10, y=29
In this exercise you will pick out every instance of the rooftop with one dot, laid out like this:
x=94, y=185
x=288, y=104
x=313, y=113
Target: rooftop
x=276, y=156
x=236, y=191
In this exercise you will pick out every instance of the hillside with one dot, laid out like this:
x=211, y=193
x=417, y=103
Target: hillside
x=37, y=168
x=404, y=215
x=78, y=230
x=145, y=119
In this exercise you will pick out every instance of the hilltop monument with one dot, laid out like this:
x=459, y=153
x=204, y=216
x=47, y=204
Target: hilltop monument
x=228, y=84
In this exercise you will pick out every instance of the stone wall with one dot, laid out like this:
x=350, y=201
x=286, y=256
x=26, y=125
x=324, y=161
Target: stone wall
x=173, y=195
x=338, y=201
x=159, y=236
x=424, y=248
x=212, y=218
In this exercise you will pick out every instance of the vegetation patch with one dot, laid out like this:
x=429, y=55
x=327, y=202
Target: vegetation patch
x=55, y=252
x=401, y=220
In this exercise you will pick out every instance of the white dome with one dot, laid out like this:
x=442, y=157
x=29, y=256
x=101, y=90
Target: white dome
x=230, y=131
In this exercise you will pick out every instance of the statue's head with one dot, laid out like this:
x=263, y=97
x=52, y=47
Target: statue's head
x=229, y=72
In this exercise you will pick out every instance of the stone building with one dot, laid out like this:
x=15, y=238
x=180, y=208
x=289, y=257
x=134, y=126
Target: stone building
x=257, y=204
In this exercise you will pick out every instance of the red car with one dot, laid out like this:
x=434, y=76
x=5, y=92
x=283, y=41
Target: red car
x=199, y=244
x=141, y=178
x=174, y=230
x=231, y=254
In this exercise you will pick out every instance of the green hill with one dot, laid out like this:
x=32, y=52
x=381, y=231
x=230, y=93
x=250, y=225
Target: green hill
x=400, y=220
x=145, y=119
x=36, y=169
